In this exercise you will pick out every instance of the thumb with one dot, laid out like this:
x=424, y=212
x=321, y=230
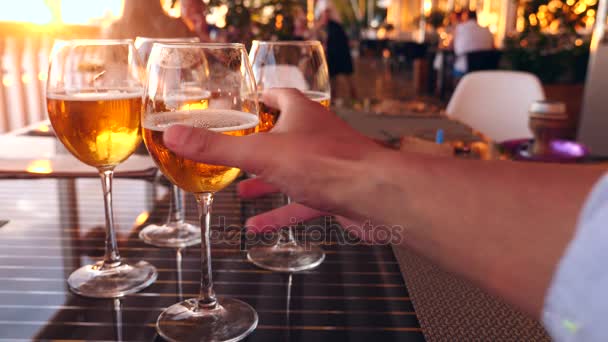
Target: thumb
x=210, y=147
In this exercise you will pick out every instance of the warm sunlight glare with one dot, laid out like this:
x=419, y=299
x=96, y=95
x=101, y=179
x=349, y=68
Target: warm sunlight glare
x=43, y=128
x=90, y=11
x=142, y=218
x=83, y=12
x=42, y=76
x=428, y=6
x=26, y=78
x=7, y=80
x=172, y=8
x=32, y=11
x=42, y=166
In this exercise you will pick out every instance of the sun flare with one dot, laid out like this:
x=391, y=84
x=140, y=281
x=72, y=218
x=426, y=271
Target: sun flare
x=79, y=12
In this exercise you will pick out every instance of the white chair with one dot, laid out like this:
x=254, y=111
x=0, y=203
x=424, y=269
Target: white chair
x=496, y=103
x=281, y=76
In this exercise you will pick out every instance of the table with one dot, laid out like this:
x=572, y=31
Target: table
x=56, y=225
x=387, y=127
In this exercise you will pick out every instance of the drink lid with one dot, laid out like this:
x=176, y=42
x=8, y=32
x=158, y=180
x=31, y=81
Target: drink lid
x=548, y=110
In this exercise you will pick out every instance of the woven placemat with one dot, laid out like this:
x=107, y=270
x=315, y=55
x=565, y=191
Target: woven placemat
x=451, y=309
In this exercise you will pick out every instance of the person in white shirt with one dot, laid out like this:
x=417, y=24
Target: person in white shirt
x=529, y=233
x=469, y=36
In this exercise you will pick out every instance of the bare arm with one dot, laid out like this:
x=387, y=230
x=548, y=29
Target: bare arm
x=503, y=225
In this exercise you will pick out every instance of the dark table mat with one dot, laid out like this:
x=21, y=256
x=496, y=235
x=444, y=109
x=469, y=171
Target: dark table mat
x=450, y=308
x=56, y=225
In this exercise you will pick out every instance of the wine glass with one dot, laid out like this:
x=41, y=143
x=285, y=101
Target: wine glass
x=223, y=70
x=175, y=232
x=288, y=64
x=144, y=44
x=94, y=97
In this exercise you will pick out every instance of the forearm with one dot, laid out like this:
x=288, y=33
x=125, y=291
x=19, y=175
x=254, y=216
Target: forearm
x=503, y=225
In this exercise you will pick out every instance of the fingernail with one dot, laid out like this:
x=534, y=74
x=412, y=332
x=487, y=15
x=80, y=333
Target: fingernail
x=175, y=136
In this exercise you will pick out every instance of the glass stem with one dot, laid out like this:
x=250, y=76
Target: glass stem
x=111, y=257
x=286, y=235
x=178, y=260
x=176, y=213
x=206, y=298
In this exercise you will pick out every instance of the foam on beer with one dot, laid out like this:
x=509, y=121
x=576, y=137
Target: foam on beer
x=188, y=95
x=217, y=120
x=314, y=95
x=105, y=95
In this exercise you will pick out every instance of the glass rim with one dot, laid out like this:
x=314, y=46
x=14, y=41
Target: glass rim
x=96, y=41
x=287, y=42
x=167, y=40
x=201, y=45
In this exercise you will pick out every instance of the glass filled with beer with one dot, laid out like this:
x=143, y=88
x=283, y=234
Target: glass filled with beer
x=94, y=97
x=175, y=232
x=288, y=64
x=175, y=73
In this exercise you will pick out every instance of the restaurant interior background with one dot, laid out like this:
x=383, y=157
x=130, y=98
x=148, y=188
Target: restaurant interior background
x=549, y=38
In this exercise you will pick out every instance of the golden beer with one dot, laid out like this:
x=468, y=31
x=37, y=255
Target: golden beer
x=187, y=174
x=269, y=115
x=101, y=129
x=186, y=100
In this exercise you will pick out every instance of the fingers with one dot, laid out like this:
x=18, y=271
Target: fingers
x=255, y=187
x=282, y=98
x=298, y=112
x=303, y=115
x=205, y=146
x=288, y=215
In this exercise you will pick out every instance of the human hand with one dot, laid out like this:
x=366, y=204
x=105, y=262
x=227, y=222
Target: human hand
x=311, y=155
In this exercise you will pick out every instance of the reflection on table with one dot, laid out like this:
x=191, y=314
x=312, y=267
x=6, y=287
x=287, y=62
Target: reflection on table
x=57, y=224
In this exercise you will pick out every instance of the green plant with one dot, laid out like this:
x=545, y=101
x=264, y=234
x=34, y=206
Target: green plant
x=565, y=16
x=553, y=58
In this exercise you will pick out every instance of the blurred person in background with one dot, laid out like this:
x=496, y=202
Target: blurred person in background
x=300, y=24
x=446, y=43
x=469, y=36
x=193, y=15
x=146, y=18
x=454, y=19
x=337, y=51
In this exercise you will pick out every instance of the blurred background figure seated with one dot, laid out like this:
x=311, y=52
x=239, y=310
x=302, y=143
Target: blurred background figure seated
x=483, y=60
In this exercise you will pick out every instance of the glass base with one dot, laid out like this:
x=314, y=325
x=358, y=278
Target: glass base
x=232, y=320
x=111, y=282
x=173, y=234
x=288, y=257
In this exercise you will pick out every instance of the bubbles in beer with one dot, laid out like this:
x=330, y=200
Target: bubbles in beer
x=188, y=174
x=100, y=128
x=218, y=120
